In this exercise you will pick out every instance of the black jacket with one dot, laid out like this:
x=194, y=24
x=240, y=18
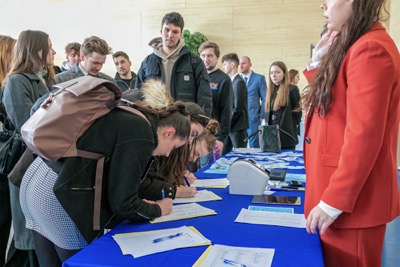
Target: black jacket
x=289, y=120
x=222, y=93
x=122, y=84
x=240, y=117
x=128, y=148
x=190, y=81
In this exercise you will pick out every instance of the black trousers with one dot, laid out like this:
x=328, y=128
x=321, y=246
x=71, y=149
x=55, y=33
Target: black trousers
x=235, y=139
x=5, y=218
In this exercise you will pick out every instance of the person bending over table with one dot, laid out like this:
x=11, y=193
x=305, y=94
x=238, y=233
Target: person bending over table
x=62, y=219
x=169, y=172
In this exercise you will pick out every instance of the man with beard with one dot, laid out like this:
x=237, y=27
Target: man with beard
x=221, y=88
x=124, y=77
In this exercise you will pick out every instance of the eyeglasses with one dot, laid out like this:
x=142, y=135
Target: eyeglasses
x=203, y=120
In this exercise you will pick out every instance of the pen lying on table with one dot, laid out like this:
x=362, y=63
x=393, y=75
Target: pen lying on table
x=233, y=263
x=166, y=237
x=287, y=188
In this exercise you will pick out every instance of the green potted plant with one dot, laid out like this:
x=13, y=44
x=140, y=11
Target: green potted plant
x=193, y=40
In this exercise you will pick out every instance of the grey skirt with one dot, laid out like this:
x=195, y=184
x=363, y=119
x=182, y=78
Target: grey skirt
x=43, y=212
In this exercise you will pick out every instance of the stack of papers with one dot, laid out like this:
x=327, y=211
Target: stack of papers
x=271, y=218
x=185, y=211
x=201, y=196
x=211, y=183
x=222, y=256
x=145, y=243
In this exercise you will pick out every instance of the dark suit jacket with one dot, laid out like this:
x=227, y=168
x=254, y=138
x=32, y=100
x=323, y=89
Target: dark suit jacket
x=256, y=89
x=240, y=118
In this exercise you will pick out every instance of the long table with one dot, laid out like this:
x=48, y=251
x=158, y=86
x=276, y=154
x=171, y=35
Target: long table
x=293, y=246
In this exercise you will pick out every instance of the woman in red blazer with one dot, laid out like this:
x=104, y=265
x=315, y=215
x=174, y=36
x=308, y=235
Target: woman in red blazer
x=351, y=134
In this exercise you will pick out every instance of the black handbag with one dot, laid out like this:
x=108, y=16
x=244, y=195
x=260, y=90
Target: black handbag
x=11, y=144
x=270, y=139
x=11, y=149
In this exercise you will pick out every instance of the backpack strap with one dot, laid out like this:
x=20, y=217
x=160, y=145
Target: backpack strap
x=133, y=111
x=98, y=184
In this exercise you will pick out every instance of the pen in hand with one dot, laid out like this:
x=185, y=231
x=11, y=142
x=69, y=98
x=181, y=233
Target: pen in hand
x=186, y=180
x=233, y=263
x=162, y=194
x=166, y=237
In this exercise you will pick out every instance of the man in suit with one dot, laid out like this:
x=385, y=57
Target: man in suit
x=239, y=120
x=94, y=51
x=256, y=89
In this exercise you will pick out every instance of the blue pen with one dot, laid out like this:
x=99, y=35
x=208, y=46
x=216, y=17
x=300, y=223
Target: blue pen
x=162, y=194
x=287, y=188
x=186, y=180
x=166, y=237
x=233, y=263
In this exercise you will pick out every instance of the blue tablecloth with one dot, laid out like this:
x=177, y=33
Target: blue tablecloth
x=293, y=246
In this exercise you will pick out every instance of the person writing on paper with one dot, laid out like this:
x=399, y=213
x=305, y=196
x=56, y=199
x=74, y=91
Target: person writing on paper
x=59, y=208
x=203, y=145
x=351, y=134
x=282, y=105
x=169, y=172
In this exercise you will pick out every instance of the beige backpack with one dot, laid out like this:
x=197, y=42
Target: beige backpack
x=53, y=130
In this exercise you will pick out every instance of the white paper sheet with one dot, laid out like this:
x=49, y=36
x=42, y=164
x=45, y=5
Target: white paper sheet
x=271, y=218
x=201, y=196
x=237, y=256
x=185, y=211
x=211, y=183
x=141, y=244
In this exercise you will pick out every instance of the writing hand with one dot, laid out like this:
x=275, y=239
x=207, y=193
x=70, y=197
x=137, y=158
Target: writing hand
x=318, y=219
x=218, y=147
x=184, y=191
x=191, y=177
x=165, y=205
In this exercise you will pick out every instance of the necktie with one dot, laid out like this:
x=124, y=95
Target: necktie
x=245, y=79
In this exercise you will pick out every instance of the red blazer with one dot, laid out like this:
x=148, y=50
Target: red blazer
x=351, y=154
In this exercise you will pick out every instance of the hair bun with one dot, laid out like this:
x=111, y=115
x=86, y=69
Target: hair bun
x=181, y=108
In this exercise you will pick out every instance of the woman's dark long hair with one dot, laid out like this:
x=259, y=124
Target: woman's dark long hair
x=173, y=167
x=26, y=57
x=319, y=92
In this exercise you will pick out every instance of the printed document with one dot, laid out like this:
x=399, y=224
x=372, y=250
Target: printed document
x=139, y=244
x=201, y=196
x=223, y=256
x=271, y=218
x=185, y=211
x=211, y=183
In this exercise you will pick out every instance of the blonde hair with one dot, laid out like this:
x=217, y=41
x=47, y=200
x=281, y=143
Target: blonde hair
x=6, y=46
x=282, y=97
x=208, y=135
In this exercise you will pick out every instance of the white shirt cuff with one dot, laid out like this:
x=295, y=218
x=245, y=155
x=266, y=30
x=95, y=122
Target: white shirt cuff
x=331, y=211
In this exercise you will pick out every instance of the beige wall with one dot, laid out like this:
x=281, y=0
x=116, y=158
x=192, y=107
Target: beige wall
x=395, y=33
x=264, y=30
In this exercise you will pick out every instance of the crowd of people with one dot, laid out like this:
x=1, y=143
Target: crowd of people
x=192, y=109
